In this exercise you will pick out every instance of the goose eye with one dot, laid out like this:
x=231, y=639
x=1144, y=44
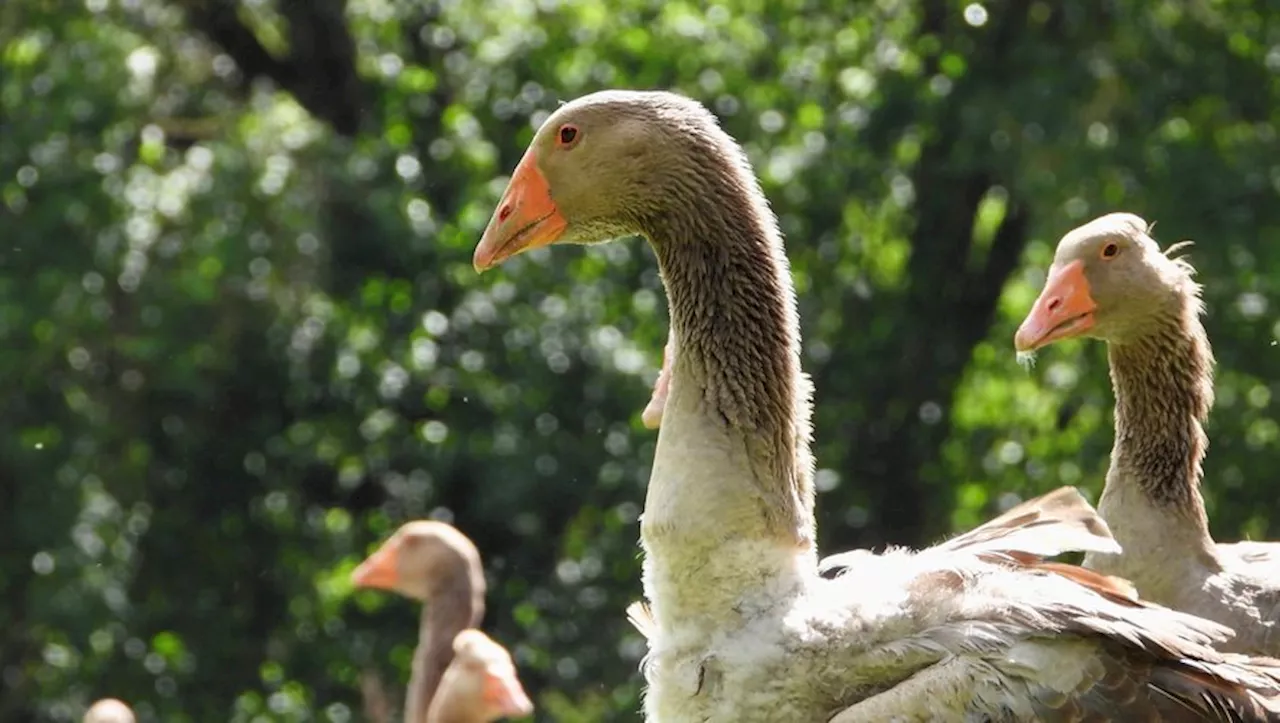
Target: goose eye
x=1110, y=250
x=568, y=135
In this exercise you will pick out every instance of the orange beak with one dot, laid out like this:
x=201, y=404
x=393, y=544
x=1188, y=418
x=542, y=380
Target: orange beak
x=504, y=695
x=1064, y=309
x=380, y=570
x=526, y=218
x=651, y=417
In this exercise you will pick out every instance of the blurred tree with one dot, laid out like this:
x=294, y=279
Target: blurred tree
x=243, y=339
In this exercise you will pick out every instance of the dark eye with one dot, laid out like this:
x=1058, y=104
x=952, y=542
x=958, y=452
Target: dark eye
x=1110, y=250
x=568, y=134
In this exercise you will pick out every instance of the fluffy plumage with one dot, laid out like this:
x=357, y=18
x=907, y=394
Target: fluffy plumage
x=987, y=626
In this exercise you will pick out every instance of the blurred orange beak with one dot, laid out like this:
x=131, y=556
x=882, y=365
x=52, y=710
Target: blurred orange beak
x=379, y=570
x=525, y=219
x=651, y=417
x=504, y=696
x=1064, y=309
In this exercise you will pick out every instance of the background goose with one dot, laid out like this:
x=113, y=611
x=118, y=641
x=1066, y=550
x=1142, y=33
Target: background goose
x=109, y=710
x=1111, y=281
x=460, y=675
x=741, y=626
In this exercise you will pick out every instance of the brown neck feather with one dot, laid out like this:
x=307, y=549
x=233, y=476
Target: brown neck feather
x=1164, y=389
x=735, y=328
x=455, y=608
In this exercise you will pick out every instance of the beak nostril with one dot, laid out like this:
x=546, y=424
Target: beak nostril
x=1054, y=303
x=504, y=212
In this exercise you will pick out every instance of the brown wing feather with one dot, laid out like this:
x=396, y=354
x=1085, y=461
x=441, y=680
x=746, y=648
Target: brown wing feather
x=1048, y=525
x=1151, y=663
x=1226, y=691
x=1116, y=589
x=1123, y=683
x=1045, y=526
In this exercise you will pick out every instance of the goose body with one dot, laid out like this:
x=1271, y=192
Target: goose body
x=980, y=626
x=1111, y=281
x=741, y=624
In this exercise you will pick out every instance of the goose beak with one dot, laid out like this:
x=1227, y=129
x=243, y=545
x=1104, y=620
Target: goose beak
x=1065, y=309
x=526, y=218
x=504, y=695
x=651, y=417
x=379, y=570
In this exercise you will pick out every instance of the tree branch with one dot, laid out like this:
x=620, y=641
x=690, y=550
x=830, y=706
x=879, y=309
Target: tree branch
x=320, y=70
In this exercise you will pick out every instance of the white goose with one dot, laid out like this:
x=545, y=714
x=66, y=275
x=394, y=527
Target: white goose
x=743, y=627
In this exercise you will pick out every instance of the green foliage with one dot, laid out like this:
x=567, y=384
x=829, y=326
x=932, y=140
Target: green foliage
x=243, y=339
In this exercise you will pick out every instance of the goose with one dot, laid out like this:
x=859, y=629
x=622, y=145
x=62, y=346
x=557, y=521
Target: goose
x=460, y=675
x=1110, y=281
x=109, y=710
x=741, y=625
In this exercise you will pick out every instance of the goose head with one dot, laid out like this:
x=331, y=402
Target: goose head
x=1110, y=281
x=597, y=169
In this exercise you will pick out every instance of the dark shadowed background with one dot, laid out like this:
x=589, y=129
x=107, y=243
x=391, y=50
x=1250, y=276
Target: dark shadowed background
x=241, y=339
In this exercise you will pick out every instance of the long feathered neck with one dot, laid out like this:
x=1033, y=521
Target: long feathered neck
x=736, y=332
x=1163, y=382
x=452, y=610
